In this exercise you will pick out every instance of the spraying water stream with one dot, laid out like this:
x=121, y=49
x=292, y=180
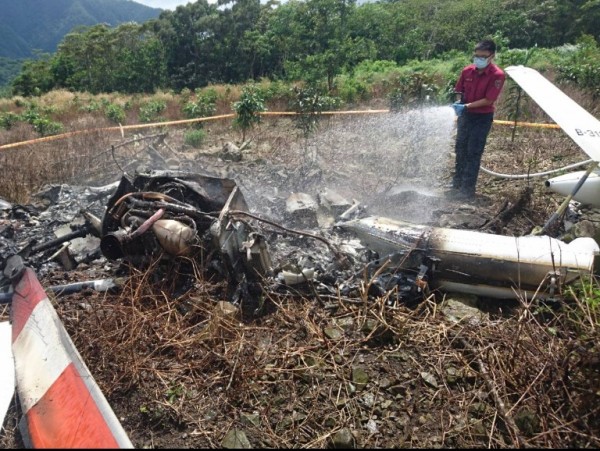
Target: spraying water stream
x=394, y=163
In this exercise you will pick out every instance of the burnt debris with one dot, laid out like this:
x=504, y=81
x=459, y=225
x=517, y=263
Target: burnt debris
x=183, y=224
x=179, y=225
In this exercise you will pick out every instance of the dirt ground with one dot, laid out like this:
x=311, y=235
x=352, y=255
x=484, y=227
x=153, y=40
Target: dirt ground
x=305, y=371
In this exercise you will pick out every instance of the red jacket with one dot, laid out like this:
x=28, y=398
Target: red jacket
x=477, y=85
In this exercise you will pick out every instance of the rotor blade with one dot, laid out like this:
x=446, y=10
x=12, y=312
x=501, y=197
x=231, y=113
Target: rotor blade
x=580, y=125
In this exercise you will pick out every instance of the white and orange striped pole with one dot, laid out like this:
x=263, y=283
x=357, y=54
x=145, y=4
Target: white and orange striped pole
x=62, y=404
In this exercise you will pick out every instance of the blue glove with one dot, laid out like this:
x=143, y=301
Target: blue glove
x=459, y=108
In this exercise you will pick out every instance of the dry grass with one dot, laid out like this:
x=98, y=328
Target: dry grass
x=180, y=372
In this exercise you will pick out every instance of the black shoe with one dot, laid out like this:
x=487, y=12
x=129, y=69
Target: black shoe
x=463, y=195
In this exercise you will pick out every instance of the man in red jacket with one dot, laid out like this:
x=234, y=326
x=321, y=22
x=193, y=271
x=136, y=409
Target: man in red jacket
x=480, y=85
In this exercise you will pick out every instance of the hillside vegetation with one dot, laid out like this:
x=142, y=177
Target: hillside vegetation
x=22, y=33
x=316, y=41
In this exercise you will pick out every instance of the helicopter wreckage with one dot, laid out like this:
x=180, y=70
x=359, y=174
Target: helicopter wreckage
x=187, y=221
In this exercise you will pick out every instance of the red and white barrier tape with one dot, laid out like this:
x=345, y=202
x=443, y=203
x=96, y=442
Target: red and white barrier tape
x=62, y=403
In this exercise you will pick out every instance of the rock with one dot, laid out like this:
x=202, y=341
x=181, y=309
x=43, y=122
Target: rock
x=478, y=409
x=285, y=423
x=386, y=404
x=329, y=422
x=211, y=415
x=451, y=375
x=360, y=378
x=333, y=333
x=333, y=202
x=368, y=399
x=456, y=309
x=369, y=326
x=342, y=439
x=236, y=439
x=371, y=426
x=302, y=207
x=584, y=228
x=429, y=379
x=567, y=237
x=462, y=220
x=230, y=152
x=250, y=419
x=397, y=390
x=346, y=323
x=50, y=193
x=385, y=383
x=527, y=422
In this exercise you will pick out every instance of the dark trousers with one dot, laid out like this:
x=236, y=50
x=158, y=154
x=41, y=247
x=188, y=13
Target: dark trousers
x=473, y=129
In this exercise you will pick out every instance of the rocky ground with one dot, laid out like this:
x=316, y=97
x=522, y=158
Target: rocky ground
x=304, y=369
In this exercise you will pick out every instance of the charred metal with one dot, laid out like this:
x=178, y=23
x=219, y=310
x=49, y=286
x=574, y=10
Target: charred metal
x=179, y=225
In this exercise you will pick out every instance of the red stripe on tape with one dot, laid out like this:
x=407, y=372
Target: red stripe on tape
x=27, y=295
x=67, y=417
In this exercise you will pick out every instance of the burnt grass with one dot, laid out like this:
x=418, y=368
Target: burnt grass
x=300, y=371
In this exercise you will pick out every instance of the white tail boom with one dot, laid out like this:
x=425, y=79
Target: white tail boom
x=579, y=124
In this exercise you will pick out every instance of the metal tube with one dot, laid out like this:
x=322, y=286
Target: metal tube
x=79, y=233
x=100, y=285
x=147, y=224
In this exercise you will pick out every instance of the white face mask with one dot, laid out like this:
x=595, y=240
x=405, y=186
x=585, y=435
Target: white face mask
x=481, y=62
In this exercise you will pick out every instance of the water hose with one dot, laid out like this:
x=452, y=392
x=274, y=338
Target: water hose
x=537, y=174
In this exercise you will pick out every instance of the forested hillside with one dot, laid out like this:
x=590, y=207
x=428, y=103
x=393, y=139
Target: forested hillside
x=28, y=25
x=313, y=40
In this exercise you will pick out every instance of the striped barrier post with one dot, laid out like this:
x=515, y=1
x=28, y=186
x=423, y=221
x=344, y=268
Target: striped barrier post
x=62, y=404
x=7, y=371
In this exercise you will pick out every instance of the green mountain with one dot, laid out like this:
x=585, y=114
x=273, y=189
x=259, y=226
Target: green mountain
x=29, y=25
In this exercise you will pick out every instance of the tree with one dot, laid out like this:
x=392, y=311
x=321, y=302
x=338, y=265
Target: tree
x=314, y=38
x=128, y=58
x=35, y=77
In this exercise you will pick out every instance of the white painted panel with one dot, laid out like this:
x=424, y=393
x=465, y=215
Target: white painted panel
x=580, y=125
x=7, y=370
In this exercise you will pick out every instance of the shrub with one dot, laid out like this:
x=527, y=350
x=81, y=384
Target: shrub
x=91, y=107
x=351, y=89
x=205, y=104
x=7, y=120
x=194, y=138
x=247, y=109
x=583, y=66
x=46, y=127
x=273, y=90
x=309, y=103
x=115, y=113
x=150, y=112
x=416, y=86
x=31, y=114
